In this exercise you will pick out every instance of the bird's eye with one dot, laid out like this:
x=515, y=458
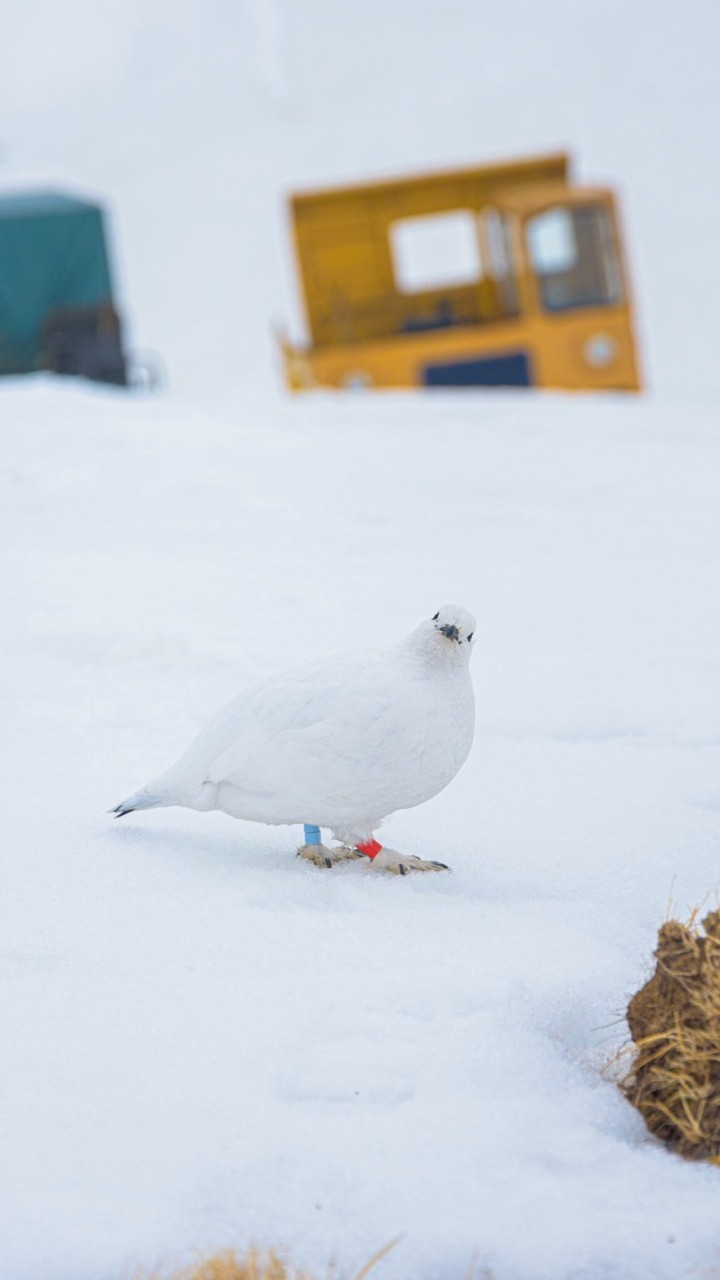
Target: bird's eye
x=472, y=633
x=436, y=616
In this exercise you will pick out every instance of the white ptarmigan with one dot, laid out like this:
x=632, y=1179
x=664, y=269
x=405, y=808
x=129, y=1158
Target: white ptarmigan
x=339, y=743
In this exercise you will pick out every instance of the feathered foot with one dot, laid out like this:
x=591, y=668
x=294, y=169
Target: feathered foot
x=401, y=864
x=321, y=856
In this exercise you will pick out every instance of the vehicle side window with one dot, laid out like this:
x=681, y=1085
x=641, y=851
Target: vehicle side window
x=572, y=253
x=435, y=251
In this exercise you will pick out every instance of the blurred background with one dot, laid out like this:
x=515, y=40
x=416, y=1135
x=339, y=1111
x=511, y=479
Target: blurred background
x=192, y=121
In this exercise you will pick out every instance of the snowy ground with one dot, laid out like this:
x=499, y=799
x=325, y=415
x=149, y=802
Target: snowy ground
x=203, y=1040
x=206, y=1040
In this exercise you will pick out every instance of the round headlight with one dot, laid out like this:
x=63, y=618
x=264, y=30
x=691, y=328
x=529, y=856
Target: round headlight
x=600, y=350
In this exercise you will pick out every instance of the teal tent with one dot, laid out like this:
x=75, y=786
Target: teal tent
x=56, y=303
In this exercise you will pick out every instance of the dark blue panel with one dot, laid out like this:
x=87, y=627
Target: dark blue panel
x=494, y=371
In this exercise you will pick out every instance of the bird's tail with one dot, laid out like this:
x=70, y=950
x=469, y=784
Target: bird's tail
x=143, y=799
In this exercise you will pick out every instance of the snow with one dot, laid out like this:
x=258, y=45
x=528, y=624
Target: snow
x=206, y=1041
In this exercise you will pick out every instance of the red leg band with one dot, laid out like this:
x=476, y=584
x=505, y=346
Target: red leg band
x=371, y=849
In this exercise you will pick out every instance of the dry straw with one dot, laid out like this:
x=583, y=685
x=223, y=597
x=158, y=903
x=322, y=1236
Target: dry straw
x=228, y=1265
x=254, y=1265
x=674, y=1021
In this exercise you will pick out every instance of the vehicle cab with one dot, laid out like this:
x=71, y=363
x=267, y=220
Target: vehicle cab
x=502, y=276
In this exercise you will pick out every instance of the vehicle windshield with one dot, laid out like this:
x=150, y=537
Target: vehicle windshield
x=572, y=253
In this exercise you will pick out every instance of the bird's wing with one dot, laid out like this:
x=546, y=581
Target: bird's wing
x=321, y=709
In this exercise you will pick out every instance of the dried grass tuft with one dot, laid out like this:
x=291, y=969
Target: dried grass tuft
x=674, y=1021
x=229, y=1265
x=253, y=1265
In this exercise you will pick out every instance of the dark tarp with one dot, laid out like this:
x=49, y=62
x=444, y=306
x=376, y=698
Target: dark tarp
x=52, y=254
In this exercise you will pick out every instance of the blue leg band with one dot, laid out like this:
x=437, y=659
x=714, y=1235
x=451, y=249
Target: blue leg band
x=312, y=834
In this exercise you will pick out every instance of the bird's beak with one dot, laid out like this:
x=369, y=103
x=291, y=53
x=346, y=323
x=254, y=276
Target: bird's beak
x=450, y=630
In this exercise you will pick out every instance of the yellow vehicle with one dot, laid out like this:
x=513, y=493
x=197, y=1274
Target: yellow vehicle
x=505, y=275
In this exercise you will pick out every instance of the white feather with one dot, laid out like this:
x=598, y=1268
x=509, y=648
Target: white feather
x=339, y=743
